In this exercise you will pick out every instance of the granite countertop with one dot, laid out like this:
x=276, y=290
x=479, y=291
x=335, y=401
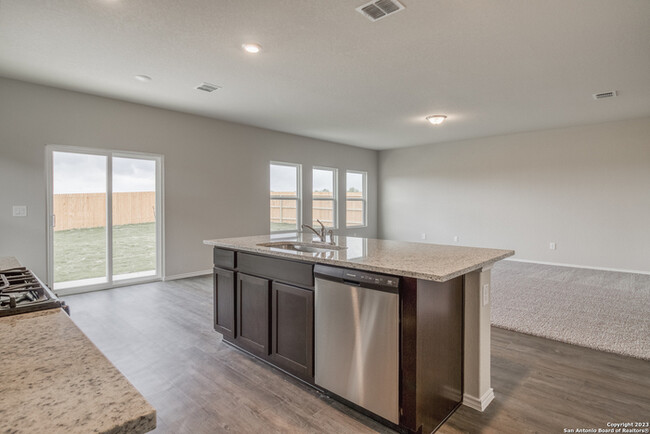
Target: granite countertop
x=55, y=380
x=420, y=260
x=7, y=262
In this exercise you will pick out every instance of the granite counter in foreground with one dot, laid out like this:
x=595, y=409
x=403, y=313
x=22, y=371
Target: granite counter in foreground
x=419, y=260
x=54, y=380
x=7, y=262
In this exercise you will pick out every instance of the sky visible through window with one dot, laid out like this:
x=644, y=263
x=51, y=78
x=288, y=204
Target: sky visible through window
x=323, y=180
x=84, y=173
x=354, y=181
x=283, y=178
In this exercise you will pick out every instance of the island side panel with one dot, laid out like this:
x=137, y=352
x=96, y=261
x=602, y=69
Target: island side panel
x=439, y=350
x=478, y=392
x=408, y=355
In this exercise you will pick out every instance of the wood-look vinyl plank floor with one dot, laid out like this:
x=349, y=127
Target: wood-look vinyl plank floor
x=160, y=336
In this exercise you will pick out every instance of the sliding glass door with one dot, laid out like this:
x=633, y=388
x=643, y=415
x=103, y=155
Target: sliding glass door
x=105, y=218
x=134, y=218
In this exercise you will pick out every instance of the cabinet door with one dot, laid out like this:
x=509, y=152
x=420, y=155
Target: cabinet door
x=224, y=302
x=292, y=327
x=253, y=314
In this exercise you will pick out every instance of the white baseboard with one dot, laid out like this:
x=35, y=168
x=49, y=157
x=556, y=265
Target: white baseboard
x=186, y=275
x=557, y=264
x=481, y=403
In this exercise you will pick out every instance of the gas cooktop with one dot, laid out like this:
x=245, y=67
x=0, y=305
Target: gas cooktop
x=21, y=292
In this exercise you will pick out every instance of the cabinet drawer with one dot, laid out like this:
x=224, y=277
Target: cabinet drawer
x=297, y=273
x=224, y=258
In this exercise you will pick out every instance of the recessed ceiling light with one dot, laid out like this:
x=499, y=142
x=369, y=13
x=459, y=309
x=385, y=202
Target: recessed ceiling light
x=142, y=78
x=436, y=119
x=252, y=48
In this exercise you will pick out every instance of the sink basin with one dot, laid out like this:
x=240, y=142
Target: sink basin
x=303, y=247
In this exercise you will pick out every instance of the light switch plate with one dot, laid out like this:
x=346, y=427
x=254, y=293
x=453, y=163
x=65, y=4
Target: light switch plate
x=20, y=211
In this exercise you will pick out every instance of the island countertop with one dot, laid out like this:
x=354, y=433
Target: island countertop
x=55, y=380
x=419, y=260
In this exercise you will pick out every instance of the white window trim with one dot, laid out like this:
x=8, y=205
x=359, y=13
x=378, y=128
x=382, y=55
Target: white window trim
x=297, y=198
x=335, y=199
x=362, y=199
x=160, y=221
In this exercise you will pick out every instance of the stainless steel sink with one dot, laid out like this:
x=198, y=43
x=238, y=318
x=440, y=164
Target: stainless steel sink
x=302, y=247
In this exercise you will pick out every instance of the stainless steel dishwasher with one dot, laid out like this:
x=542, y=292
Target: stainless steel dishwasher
x=357, y=338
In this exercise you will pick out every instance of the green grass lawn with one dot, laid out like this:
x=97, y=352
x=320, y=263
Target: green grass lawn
x=283, y=227
x=81, y=253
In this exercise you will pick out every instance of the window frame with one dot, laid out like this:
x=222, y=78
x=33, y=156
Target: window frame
x=363, y=199
x=334, y=199
x=110, y=282
x=297, y=198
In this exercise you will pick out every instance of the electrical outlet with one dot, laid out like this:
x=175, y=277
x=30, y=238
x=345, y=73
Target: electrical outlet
x=486, y=294
x=20, y=211
x=455, y=238
x=552, y=246
x=423, y=236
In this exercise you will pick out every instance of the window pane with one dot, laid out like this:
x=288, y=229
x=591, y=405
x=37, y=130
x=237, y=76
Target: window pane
x=354, y=213
x=354, y=185
x=323, y=210
x=79, y=200
x=134, y=217
x=324, y=197
x=284, y=215
x=284, y=180
x=323, y=183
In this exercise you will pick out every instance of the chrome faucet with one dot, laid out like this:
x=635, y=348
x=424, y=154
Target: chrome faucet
x=320, y=234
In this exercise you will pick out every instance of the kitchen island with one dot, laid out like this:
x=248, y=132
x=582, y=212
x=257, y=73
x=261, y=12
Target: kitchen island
x=264, y=304
x=55, y=380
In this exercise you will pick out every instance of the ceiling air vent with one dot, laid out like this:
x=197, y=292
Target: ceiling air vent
x=207, y=87
x=602, y=95
x=376, y=10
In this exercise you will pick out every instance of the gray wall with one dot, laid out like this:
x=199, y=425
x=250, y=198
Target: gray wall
x=216, y=173
x=586, y=188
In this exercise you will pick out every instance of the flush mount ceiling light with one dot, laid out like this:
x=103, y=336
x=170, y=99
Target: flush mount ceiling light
x=436, y=119
x=252, y=48
x=143, y=78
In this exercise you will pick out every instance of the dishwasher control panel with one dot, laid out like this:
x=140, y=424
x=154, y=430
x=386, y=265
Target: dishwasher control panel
x=377, y=279
x=363, y=278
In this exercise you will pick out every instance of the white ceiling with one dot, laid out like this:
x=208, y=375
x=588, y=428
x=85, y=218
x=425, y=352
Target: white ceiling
x=492, y=66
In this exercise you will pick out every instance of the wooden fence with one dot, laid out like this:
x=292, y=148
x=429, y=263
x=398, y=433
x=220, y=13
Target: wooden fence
x=284, y=210
x=88, y=210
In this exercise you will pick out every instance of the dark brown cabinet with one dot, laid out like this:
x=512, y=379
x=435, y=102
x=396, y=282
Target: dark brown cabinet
x=265, y=306
x=252, y=313
x=224, y=302
x=292, y=329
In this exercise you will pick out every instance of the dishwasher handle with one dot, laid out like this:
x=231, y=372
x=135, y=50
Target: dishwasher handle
x=364, y=279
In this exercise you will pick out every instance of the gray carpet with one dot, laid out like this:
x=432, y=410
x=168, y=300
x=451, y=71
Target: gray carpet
x=604, y=310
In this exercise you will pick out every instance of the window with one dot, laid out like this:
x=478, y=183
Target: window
x=324, y=197
x=105, y=218
x=285, y=197
x=355, y=199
